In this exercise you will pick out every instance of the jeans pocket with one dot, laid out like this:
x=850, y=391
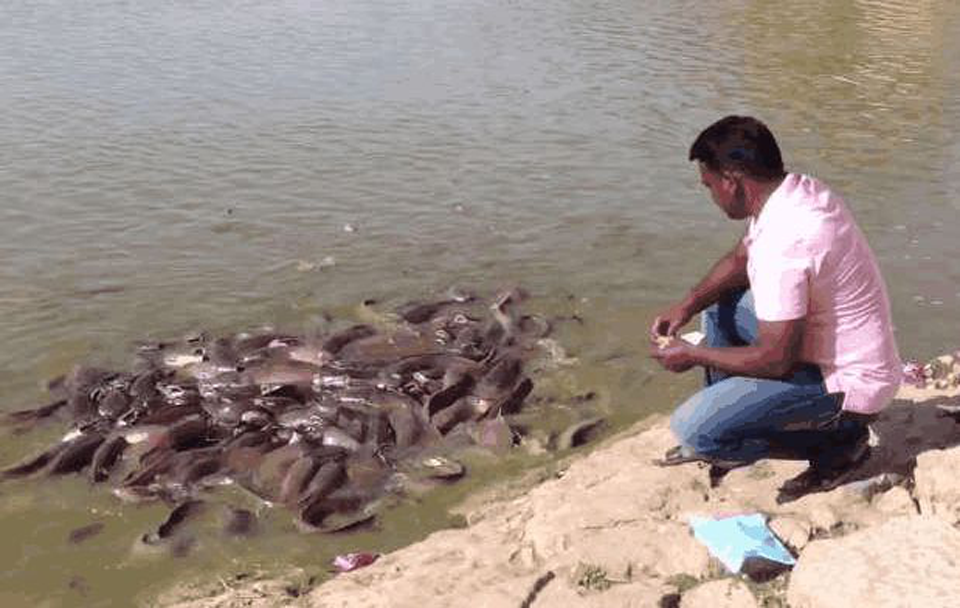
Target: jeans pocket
x=828, y=419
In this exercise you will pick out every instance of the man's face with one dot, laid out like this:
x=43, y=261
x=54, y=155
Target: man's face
x=726, y=191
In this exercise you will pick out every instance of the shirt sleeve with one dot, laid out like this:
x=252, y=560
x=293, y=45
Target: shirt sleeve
x=780, y=286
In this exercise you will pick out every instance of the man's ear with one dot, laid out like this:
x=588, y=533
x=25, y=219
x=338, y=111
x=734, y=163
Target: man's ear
x=734, y=175
x=729, y=178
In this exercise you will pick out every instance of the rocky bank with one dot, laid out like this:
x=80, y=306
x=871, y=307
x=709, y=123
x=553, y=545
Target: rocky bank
x=609, y=528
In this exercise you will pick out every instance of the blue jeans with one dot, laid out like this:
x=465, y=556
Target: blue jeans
x=746, y=419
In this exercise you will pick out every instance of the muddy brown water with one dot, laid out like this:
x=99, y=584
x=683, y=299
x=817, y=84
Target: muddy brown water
x=232, y=163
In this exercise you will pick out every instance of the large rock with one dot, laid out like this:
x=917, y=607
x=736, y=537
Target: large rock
x=660, y=549
x=937, y=484
x=446, y=569
x=611, y=511
x=793, y=531
x=906, y=562
x=723, y=593
x=895, y=501
x=560, y=592
x=611, y=530
x=616, y=511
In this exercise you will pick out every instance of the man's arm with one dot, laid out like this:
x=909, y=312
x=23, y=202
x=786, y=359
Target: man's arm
x=729, y=273
x=773, y=356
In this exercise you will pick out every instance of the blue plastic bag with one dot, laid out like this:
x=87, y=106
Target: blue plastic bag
x=739, y=537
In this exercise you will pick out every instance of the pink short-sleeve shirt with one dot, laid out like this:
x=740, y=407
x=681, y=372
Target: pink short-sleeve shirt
x=807, y=258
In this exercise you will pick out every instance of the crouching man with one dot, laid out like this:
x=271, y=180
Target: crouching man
x=799, y=352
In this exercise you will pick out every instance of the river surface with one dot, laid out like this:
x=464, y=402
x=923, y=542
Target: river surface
x=168, y=166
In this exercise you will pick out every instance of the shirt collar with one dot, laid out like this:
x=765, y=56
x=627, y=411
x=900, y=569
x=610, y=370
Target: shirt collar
x=758, y=222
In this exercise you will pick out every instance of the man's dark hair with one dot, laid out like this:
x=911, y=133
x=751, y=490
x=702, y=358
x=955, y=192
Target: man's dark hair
x=739, y=143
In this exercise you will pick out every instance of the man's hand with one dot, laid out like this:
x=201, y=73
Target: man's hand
x=669, y=322
x=675, y=355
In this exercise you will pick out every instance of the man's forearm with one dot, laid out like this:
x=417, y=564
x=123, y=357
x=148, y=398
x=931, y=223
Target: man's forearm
x=753, y=361
x=729, y=273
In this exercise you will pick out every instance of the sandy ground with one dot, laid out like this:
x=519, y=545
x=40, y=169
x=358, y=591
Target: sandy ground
x=606, y=527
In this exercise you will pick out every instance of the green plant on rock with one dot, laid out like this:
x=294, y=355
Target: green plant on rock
x=592, y=577
x=683, y=582
x=770, y=594
x=759, y=472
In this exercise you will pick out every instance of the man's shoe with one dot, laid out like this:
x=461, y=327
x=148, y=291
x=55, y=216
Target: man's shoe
x=677, y=455
x=823, y=479
x=720, y=468
x=856, y=453
x=807, y=482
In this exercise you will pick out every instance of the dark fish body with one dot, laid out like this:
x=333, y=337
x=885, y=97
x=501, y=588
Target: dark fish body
x=179, y=393
x=153, y=464
x=462, y=410
x=380, y=350
x=368, y=473
x=329, y=477
x=83, y=533
x=221, y=352
x=406, y=427
x=280, y=372
x=579, y=433
x=81, y=406
x=34, y=463
x=176, y=520
x=239, y=522
x=336, y=437
x=168, y=414
x=298, y=476
x=302, y=418
x=433, y=466
x=442, y=363
x=267, y=479
x=33, y=415
x=447, y=396
x=325, y=518
x=406, y=418
x=514, y=400
x=187, y=433
x=83, y=378
x=501, y=378
x=494, y=433
x=228, y=412
x=353, y=422
x=416, y=313
x=195, y=465
x=143, y=388
x=247, y=344
x=106, y=456
x=113, y=403
x=298, y=393
x=79, y=385
x=337, y=341
x=250, y=438
x=76, y=454
x=242, y=461
x=377, y=432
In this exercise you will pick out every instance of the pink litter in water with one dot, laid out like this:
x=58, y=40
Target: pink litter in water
x=353, y=561
x=913, y=373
